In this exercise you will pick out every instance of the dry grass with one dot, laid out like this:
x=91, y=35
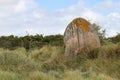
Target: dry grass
x=49, y=63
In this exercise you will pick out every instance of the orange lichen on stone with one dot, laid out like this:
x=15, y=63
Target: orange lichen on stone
x=81, y=24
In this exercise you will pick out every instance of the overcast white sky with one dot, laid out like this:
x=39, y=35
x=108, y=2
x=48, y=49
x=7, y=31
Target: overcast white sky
x=51, y=16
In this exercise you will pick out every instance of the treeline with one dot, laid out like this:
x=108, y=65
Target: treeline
x=109, y=40
x=38, y=41
x=30, y=41
x=115, y=39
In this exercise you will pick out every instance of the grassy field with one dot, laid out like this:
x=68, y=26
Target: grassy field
x=49, y=63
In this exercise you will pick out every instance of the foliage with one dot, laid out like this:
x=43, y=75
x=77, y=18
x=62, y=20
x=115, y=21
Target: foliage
x=115, y=39
x=41, y=57
x=38, y=41
x=30, y=42
x=101, y=33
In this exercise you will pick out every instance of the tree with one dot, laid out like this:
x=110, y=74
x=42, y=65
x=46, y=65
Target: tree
x=101, y=33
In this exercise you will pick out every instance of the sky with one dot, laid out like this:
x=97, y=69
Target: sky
x=50, y=17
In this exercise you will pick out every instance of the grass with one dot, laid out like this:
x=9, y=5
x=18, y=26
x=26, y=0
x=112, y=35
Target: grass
x=78, y=75
x=49, y=63
x=6, y=75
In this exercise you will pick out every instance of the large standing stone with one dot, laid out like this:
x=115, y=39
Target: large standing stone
x=79, y=34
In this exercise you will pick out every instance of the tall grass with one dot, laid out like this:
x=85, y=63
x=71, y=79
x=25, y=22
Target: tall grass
x=5, y=75
x=46, y=53
x=49, y=63
x=78, y=75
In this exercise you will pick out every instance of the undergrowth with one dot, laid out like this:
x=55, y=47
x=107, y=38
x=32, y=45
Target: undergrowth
x=49, y=63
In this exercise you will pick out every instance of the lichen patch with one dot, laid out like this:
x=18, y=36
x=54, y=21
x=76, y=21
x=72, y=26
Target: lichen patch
x=81, y=24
